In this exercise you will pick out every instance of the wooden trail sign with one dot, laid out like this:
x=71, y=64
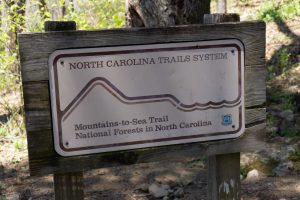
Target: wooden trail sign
x=36, y=50
x=128, y=97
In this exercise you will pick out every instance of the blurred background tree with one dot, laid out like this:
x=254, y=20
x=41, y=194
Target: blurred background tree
x=151, y=13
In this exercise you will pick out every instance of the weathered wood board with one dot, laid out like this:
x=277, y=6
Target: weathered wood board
x=34, y=53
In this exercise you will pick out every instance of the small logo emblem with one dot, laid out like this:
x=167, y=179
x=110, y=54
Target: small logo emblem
x=227, y=120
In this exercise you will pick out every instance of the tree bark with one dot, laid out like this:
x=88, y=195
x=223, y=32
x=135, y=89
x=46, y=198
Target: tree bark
x=159, y=13
x=63, y=9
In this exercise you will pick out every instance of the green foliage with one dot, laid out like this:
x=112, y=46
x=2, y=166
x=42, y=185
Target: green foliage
x=283, y=60
x=268, y=11
x=14, y=127
x=197, y=163
x=3, y=131
x=272, y=72
x=290, y=9
x=8, y=78
x=97, y=14
x=282, y=65
x=272, y=10
x=245, y=2
x=244, y=171
x=285, y=100
x=288, y=102
x=88, y=14
x=13, y=130
x=295, y=156
x=10, y=83
x=2, y=185
x=37, y=16
x=20, y=144
x=289, y=132
x=262, y=166
x=271, y=120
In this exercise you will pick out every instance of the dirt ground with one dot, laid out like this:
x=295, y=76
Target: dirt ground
x=126, y=183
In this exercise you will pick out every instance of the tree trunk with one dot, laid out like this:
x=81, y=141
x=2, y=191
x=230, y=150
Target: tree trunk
x=67, y=6
x=63, y=10
x=59, y=10
x=159, y=13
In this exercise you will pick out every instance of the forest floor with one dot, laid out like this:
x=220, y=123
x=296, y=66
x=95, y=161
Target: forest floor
x=186, y=182
x=278, y=168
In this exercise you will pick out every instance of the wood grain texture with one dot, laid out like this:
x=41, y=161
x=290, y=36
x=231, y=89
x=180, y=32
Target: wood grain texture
x=36, y=48
x=255, y=85
x=60, y=26
x=224, y=177
x=255, y=115
x=68, y=186
x=252, y=140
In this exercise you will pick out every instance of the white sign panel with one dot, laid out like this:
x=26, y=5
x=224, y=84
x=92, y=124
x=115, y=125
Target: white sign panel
x=128, y=97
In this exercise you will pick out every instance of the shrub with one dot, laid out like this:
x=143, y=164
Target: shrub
x=271, y=10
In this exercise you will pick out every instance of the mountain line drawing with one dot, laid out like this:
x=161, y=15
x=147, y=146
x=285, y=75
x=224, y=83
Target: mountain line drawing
x=114, y=91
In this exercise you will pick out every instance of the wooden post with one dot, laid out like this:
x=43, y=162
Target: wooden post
x=223, y=170
x=51, y=26
x=224, y=177
x=67, y=186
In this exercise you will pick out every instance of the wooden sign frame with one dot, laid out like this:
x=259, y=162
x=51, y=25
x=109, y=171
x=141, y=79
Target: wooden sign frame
x=35, y=49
